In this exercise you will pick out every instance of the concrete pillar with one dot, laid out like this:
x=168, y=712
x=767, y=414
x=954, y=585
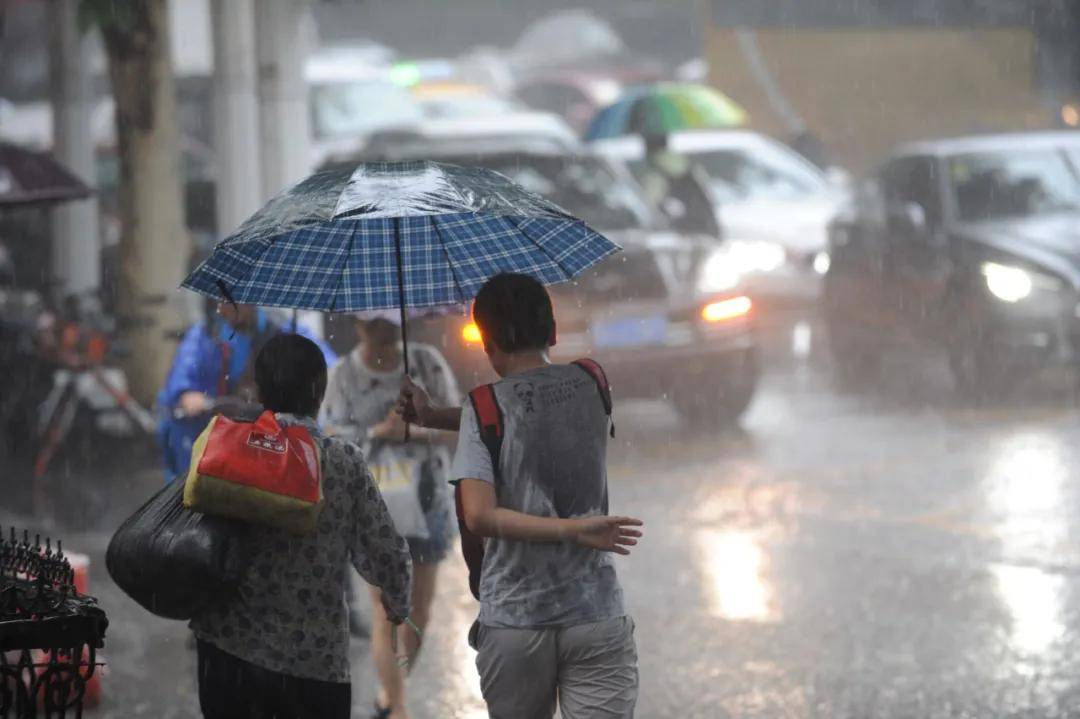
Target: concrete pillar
x=285, y=32
x=76, y=248
x=236, y=114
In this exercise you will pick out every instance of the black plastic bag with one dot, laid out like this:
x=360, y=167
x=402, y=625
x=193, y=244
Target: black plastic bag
x=174, y=561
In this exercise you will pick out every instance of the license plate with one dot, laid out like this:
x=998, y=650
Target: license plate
x=630, y=331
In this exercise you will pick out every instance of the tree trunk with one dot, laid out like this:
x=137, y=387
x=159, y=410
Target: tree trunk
x=154, y=245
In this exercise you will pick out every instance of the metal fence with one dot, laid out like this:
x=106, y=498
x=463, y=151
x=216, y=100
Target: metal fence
x=49, y=633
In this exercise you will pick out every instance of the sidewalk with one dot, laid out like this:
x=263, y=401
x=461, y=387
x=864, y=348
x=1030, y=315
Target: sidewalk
x=150, y=667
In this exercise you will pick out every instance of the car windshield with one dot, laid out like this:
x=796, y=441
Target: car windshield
x=1014, y=183
x=759, y=173
x=346, y=109
x=585, y=187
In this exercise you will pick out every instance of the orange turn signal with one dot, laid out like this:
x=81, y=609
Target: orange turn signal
x=726, y=309
x=471, y=334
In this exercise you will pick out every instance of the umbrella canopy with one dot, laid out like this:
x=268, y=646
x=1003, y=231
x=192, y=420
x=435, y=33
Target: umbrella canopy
x=665, y=108
x=29, y=178
x=391, y=235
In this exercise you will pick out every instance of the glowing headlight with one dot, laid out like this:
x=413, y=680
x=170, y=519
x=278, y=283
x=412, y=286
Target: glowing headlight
x=750, y=256
x=1007, y=283
x=822, y=263
x=717, y=274
x=471, y=334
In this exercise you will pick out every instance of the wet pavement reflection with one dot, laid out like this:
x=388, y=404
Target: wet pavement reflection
x=876, y=554
x=734, y=565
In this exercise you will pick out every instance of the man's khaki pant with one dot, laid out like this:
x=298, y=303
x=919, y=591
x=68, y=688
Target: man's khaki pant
x=589, y=669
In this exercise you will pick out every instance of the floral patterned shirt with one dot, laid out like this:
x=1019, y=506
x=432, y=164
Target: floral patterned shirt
x=289, y=614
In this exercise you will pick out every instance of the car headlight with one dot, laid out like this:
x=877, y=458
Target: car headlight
x=1007, y=283
x=822, y=263
x=750, y=256
x=717, y=274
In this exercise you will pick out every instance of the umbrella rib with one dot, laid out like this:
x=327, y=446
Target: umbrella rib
x=449, y=260
x=344, y=269
x=558, y=263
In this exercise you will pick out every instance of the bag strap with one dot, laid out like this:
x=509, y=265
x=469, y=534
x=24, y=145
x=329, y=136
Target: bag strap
x=594, y=370
x=267, y=423
x=489, y=419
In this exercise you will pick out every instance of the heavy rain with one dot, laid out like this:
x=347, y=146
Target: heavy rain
x=290, y=428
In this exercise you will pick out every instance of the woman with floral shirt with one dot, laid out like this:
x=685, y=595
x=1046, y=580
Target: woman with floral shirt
x=279, y=647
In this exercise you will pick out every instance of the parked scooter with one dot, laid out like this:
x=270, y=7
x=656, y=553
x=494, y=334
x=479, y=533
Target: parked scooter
x=88, y=408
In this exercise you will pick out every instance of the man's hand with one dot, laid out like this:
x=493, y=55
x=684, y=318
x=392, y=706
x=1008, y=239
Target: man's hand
x=194, y=403
x=607, y=534
x=414, y=404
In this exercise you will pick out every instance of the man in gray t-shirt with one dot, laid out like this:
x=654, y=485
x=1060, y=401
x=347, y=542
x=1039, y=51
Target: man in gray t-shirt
x=552, y=465
x=552, y=626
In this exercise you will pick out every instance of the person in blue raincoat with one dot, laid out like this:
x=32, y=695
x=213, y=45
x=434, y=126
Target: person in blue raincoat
x=211, y=363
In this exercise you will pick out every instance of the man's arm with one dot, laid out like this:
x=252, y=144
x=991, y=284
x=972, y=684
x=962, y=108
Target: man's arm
x=485, y=518
x=415, y=407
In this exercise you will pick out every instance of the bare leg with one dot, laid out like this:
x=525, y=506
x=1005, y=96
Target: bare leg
x=423, y=592
x=392, y=677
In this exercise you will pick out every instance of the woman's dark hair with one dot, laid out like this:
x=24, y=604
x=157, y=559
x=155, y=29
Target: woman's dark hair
x=514, y=312
x=290, y=375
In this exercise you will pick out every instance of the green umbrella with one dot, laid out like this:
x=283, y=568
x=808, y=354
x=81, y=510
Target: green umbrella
x=664, y=108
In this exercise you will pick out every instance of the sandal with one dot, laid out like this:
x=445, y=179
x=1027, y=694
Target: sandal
x=381, y=712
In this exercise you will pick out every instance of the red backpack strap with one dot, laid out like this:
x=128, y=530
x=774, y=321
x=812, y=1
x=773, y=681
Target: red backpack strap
x=489, y=420
x=594, y=370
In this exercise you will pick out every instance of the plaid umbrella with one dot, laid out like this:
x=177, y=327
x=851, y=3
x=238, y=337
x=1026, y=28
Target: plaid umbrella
x=395, y=235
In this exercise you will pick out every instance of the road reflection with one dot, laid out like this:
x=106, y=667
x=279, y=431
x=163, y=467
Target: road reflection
x=461, y=688
x=1027, y=479
x=735, y=566
x=737, y=523
x=1034, y=600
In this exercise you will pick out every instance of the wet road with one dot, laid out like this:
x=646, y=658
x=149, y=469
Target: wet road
x=889, y=554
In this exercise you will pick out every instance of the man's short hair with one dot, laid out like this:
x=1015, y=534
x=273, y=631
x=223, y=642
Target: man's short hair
x=290, y=375
x=514, y=313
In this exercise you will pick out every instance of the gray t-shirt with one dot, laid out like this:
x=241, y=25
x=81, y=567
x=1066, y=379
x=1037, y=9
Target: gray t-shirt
x=553, y=464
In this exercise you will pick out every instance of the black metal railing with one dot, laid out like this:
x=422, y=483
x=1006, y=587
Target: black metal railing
x=49, y=633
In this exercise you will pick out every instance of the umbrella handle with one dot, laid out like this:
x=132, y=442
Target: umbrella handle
x=401, y=304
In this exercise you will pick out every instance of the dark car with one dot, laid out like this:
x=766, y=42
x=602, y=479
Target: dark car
x=971, y=245
x=665, y=316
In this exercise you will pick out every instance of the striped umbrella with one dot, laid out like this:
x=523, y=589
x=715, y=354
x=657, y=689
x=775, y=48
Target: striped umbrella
x=665, y=108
